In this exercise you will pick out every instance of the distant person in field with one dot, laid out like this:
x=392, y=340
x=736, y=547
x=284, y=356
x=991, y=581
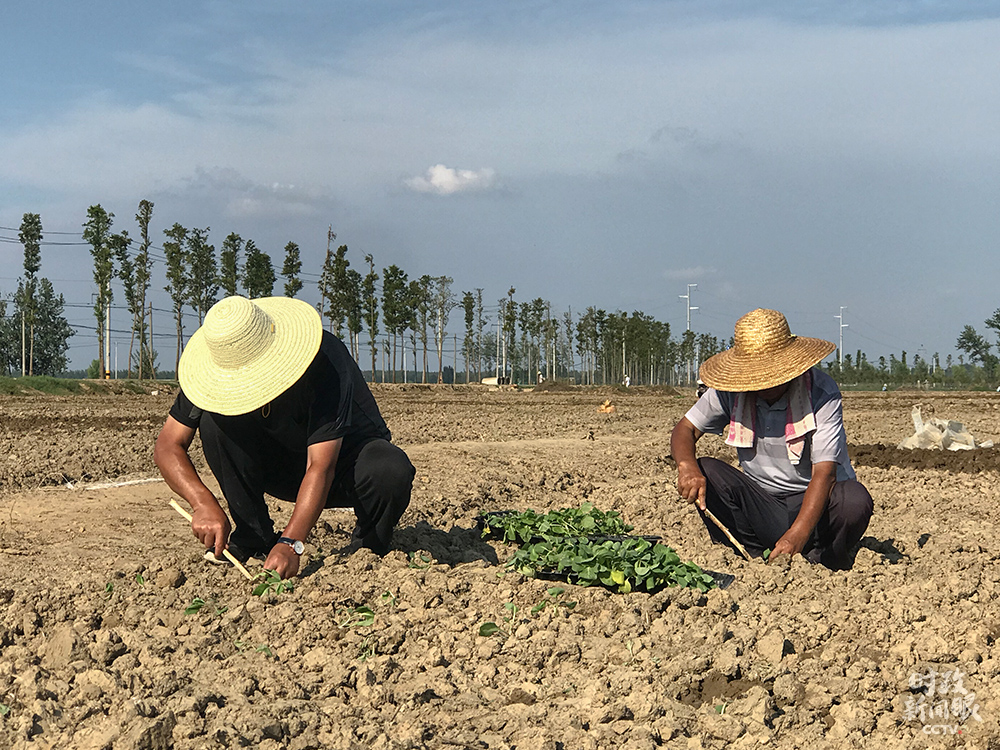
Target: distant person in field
x=797, y=492
x=282, y=408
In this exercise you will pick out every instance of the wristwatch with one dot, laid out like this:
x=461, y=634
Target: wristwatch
x=297, y=546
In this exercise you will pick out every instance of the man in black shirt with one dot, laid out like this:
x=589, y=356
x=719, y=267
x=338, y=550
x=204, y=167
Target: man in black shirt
x=282, y=408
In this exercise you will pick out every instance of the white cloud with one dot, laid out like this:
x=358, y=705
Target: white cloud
x=442, y=180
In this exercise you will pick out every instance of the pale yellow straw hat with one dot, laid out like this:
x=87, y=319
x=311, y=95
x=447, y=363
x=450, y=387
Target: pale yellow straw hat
x=249, y=352
x=765, y=355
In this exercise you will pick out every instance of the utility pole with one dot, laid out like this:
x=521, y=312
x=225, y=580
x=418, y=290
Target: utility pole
x=843, y=325
x=687, y=298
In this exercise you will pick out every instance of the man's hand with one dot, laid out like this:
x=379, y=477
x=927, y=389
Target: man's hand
x=283, y=561
x=791, y=543
x=691, y=483
x=211, y=525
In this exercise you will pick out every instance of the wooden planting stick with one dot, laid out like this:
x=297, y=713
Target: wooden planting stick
x=711, y=517
x=228, y=555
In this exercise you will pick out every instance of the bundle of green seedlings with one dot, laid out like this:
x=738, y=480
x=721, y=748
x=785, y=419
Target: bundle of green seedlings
x=572, y=544
x=527, y=526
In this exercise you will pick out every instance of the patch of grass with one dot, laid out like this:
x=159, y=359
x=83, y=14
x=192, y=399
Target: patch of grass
x=46, y=384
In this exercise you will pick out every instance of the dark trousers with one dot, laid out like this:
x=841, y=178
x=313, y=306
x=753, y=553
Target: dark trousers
x=759, y=519
x=375, y=480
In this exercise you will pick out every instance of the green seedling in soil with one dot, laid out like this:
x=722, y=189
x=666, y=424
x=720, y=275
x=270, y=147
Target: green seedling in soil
x=389, y=598
x=139, y=579
x=420, y=560
x=264, y=649
x=721, y=708
x=367, y=648
x=4, y=709
x=766, y=554
x=271, y=581
x=553, y=597
x=109, y=589
x=197, y=604
x=567, y=522
x=634, y=564
x=358, y=617
x=491, y=628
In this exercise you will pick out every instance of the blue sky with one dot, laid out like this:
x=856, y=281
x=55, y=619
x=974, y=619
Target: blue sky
x=786, y=155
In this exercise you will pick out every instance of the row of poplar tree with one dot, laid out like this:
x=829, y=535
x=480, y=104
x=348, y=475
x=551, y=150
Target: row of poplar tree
x=524, y=341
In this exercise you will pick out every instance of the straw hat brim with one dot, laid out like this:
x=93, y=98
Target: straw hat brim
x=298, y=332
x=738, y=373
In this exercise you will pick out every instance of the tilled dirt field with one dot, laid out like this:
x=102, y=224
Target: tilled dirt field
x=96, y=650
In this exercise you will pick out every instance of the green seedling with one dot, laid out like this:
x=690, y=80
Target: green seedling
x=553, y=597
x=4, y=709
x=633, y=564
x=139, y=579
x=420, y=560
x=389, y=598
x=367, y=648
x=358, y=617
x=721, y=708
x=197, y=604
x=767, y=554
x=271, y=581
x=109, y=589
x=490, y=628
x=264, y=649
x=557, y=524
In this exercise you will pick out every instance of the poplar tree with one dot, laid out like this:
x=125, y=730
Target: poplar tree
x=258, y=272
x=290, y=270
x=355, y=310
x=229, y=264
x=30, y=236
x=370, y=303
x=420, y=308
x=203, y=280
x=126, y=272
x=97, y=233
x=443, y=302
x=468, y=343
x=177, y=280
x=143, y=274
x=52, y=331
x=394, y=306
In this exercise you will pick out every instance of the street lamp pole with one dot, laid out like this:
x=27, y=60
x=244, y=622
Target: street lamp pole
x=843, y=325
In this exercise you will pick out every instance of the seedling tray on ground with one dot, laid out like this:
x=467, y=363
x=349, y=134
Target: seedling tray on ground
x=589, y=547
x=722, y=580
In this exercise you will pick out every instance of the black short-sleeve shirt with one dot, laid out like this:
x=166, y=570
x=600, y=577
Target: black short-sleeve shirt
x=331, y=400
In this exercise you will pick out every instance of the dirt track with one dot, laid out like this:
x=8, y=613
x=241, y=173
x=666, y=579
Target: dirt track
x=96, y=650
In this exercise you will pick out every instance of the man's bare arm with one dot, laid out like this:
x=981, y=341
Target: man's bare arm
x=793, y=541
x=209, y=522
x=691, y=482
x=321, y=466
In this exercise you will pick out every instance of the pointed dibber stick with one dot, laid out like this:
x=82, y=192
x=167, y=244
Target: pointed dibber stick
x=228, y=555
x=711, y=517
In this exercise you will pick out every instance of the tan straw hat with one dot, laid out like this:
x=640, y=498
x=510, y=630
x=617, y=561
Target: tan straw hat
x=249, y=352
x=765, y=355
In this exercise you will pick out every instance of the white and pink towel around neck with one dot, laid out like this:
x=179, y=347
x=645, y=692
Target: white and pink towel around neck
x=800, y=419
